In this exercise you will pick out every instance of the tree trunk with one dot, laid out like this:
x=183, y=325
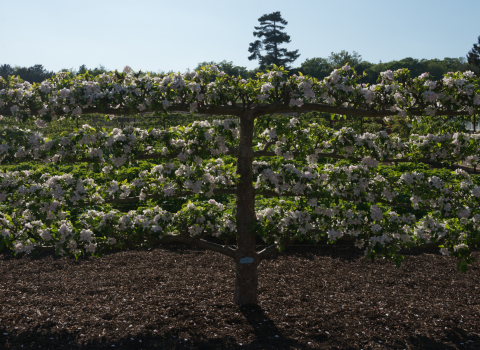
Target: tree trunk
x=246, y=278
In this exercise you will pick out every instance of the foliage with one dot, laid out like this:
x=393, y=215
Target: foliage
x=94, y=72
x=436, y=68
x=248, y=173
x=34, y=74
x=270, y=30
x=229, y=68
x=104, y=186
x=434, y=125
x=473, y=56
x=401, y=127
x=316, y=67
x=321, y=67
x=338, y=60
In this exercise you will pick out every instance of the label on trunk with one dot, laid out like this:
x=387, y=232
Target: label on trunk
x=246, y=260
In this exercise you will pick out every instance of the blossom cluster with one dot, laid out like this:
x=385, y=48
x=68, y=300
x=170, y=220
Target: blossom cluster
x=375, y=229
x=96, y=230
x=204, y=139
x=288, y=139
x=395, y=93
x=360, y=184
x=48, y=195
x=43, y=200
x=120, y=146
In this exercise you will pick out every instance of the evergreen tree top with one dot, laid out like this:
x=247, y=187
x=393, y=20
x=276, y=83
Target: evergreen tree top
x=270, y=29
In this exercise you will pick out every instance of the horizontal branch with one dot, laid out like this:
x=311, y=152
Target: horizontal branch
x=152, y=196
x=273, y=248
x=291, y=194
x=339, y=156
x=267, y=252
x=200, y=243
x=396, y=204
x=146, y=156
x=211, y=110
x=258, y=110
x=358, y=112
x=160, y=156
x=434, y=164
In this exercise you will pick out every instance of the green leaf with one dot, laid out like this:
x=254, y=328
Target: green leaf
x=398, y=260
x=462, y=266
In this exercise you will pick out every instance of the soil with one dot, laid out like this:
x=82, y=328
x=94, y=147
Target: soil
x=178, y=297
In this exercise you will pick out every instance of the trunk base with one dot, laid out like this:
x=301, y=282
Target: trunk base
x=246, y=283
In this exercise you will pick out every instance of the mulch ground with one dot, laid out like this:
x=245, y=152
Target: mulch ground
x=178, y=297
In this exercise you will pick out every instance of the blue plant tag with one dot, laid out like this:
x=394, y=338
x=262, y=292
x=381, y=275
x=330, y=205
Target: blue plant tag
x=246, y=260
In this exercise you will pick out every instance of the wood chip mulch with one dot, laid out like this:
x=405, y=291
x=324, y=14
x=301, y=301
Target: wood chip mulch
x=178, y=297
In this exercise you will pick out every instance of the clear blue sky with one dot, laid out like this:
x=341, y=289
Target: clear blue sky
x=177, y=34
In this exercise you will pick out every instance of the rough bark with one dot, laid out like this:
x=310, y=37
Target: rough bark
x=246, y=278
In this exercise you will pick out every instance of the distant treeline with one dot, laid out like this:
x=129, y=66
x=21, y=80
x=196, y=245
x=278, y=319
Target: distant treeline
x=321, y=67
x=37, y=73
x=317, y=67
x=33, y=74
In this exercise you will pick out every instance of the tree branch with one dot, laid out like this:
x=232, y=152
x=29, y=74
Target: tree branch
x=273, y=248
x=225, y=250
x=145, y=156
x=290, y=194
x=339, y=156
x=267, y=146
x=267, y=252
x=266, y=193
x=259, y=110
x=200, y=243
x=434, y=164
x=231, y=151
x=278, y=107
x=152, y=196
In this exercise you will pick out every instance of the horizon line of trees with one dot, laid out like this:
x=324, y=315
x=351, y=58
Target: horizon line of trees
x=317, y=67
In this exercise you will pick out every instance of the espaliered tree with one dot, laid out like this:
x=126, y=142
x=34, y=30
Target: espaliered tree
x=318, y=183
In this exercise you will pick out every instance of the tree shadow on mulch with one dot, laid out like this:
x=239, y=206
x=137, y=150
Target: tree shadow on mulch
x=178, y=297
x=173, y=340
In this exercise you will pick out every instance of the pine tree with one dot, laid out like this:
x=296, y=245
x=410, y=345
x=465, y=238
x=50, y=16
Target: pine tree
x=473, y=56
x=271, y=30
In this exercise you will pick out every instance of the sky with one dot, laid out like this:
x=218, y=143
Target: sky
x=166, y=35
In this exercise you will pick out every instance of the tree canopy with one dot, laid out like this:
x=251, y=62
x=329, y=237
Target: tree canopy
x=227, y=67
x=93, y=71
x=473, y=56
x=270, y=30
x=34, y=74
x=321, y=67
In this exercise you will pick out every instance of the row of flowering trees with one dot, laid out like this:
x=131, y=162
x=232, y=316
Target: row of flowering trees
x=297, y=182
